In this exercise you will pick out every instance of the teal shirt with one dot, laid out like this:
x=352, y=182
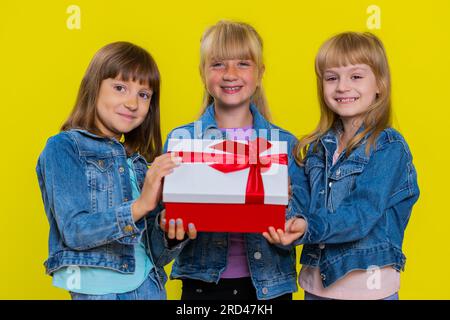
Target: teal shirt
x=88, y=280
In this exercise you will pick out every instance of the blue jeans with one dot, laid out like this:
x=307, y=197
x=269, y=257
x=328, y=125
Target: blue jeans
x=310, y=296
x=149, y=290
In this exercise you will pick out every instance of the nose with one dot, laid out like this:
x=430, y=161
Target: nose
x=231, y=73
x=342, y=85
x=131, y=103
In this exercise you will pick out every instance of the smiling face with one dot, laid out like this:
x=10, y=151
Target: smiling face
x=231, y=82
x=121, y=106
x=350, y=90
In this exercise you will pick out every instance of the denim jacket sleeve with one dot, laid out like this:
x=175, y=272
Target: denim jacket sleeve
x=163, y=251
x=300, y=191
x=64, y=178
x=388, y=185
x=300, y=198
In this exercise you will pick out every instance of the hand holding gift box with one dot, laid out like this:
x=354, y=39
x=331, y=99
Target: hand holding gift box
x=228, y=186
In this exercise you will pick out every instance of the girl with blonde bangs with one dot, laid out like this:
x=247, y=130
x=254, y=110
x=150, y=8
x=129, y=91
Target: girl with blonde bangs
x=228, y=40
x=362, y=181
x=230, y=266
x=351, y=49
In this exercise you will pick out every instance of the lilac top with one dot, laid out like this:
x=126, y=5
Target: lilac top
x=237, y=265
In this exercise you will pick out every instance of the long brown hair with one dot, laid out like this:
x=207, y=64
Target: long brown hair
x=341, y=50
x=233, y=40
x=128, y=61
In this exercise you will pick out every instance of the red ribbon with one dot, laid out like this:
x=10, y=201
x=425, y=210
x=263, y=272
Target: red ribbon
x=242, y=156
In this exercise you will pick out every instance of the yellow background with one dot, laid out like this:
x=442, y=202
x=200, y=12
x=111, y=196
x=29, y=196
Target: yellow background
x=42, y=63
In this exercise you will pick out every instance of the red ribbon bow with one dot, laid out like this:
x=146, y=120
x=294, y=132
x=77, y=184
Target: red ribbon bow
x=239, y=156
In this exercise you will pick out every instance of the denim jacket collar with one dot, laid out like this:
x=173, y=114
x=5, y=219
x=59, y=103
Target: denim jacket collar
x=208, y=120
x=133, y=156
x=330, y=141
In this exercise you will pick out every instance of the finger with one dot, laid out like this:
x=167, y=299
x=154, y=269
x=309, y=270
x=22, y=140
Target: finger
x=282, y=237
x=288, y=225
x=192, y=231
x=297, y=226
x=274, y=235
x=170, y=158
x=268, y=238
x=163, y=224
x=180, y=230
x=288, y=239
x=174, y=155
x=171, y=231
x=164, y=157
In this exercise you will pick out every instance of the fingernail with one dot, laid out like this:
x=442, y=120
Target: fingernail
x=179, y=221
x=191, y=226
x=178, y=160
x=172, y=222
x=163, y=221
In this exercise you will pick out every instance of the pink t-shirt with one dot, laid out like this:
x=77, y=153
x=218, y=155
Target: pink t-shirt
x=237, y=265
x=371, y=284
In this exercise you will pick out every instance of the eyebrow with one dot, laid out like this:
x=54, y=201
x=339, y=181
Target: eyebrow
x=351, y=69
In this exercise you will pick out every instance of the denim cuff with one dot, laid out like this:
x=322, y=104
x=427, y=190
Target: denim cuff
x=160, y=246
x=312, y=233
x=131, y=231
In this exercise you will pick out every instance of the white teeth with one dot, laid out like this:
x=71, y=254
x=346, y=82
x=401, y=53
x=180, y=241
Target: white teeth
x=232, y=88
x=346, y=99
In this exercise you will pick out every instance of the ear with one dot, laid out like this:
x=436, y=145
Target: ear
x=261, y=73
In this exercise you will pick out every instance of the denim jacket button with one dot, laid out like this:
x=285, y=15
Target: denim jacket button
x=321, y=246
x=121, y=169
x=125, y=199
x=338, y=172
x=125, y=266
x=101, y=163
x=330, y=184
x=265, y=290
x=257, y=255
x=323, y=276
x=128, y=228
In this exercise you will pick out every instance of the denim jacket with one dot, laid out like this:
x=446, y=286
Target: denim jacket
x=359, y=207
x=272, y=268
x=86, y=190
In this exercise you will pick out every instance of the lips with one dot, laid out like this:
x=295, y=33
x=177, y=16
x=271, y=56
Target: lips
x=231, y=89
x=346, y=99
x=128, y=117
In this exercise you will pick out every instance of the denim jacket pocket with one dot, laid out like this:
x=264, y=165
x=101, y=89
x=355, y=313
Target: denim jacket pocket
x=97, y=170
x=314, y=169
x=341, y=182
x=100, y=182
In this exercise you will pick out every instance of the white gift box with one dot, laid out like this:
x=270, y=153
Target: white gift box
x=228, y=186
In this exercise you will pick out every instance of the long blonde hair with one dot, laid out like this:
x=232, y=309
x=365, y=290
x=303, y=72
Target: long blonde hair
x=128, y=61
x=233, y=40
x=346, y=49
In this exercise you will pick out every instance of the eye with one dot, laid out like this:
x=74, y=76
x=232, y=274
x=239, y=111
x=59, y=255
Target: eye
x=145, y=95
x=120, y=88
x=355, y=77
x=244, y=63
x=330, y=78
x=217, y=65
